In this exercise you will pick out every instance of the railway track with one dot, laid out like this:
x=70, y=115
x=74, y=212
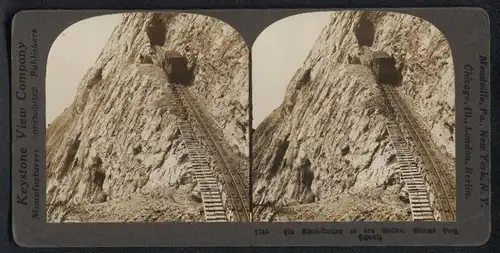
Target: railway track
x=213, y=206
x=420, y=203
x=231, y=154
x=235, y=186
x=440, y=178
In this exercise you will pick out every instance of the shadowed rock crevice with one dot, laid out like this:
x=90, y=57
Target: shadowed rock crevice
x=136, y=150
x=307, y=174
x=96, y=78
x=98, y=178
x=305, y=78
x=278, y=158
x=69, y=158
x=145, y=59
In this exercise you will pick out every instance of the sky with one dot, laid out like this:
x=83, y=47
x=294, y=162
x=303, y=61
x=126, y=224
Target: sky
x=279, y=51
x=73, y=52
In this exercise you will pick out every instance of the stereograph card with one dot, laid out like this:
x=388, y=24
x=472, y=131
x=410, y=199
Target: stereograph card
x=314, y=127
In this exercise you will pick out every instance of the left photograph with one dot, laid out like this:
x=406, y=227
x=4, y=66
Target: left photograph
x=147, y=120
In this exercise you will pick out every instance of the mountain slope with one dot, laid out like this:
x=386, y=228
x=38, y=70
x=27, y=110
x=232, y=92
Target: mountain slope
x=115, y=154
x=324, y=154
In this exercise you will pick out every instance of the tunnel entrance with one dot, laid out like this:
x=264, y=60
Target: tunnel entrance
x=176, y=67
x=156, y=31
x=384, y=68
x=364, y=31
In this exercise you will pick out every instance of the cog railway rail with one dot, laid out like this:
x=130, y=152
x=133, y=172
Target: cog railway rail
x=440, y=178
x=233, y=181
x=213, y=206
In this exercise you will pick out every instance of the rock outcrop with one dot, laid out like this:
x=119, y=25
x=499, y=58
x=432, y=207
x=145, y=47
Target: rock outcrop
x=324, y=153
x=115, y=153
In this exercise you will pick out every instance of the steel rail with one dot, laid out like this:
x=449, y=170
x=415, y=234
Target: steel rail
x=240, y=202
x=447, y=208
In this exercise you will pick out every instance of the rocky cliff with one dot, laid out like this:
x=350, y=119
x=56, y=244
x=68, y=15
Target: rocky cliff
x=324, y=154
x=115, y=153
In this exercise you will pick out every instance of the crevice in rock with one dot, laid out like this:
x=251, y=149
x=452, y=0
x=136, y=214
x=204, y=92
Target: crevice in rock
x=145, y=59
x=391, y=159
x=97, y=162
x=318, y=151
x=190, y=74
x=278, y=158
x=383, y=135
x=175, y=135
x=75, y=162
x=353, y=59
x=365, y=128
x=98, y=178
x=345, y=150
x=304, y=79
x=184, y=157
x=392, y=180
x=70, y=156
x=450, y=127
x=96, y=78
x=185, y=179
x=242, y=126
x=307, y=174
x=137, y=150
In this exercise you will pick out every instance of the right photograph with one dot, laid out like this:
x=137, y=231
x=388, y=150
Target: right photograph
x=353, y=119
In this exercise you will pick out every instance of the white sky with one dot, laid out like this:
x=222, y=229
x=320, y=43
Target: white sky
x=73, y=52
x=279, y=51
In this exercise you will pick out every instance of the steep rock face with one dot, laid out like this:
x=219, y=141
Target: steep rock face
x=324, y=154
x=118, y=145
